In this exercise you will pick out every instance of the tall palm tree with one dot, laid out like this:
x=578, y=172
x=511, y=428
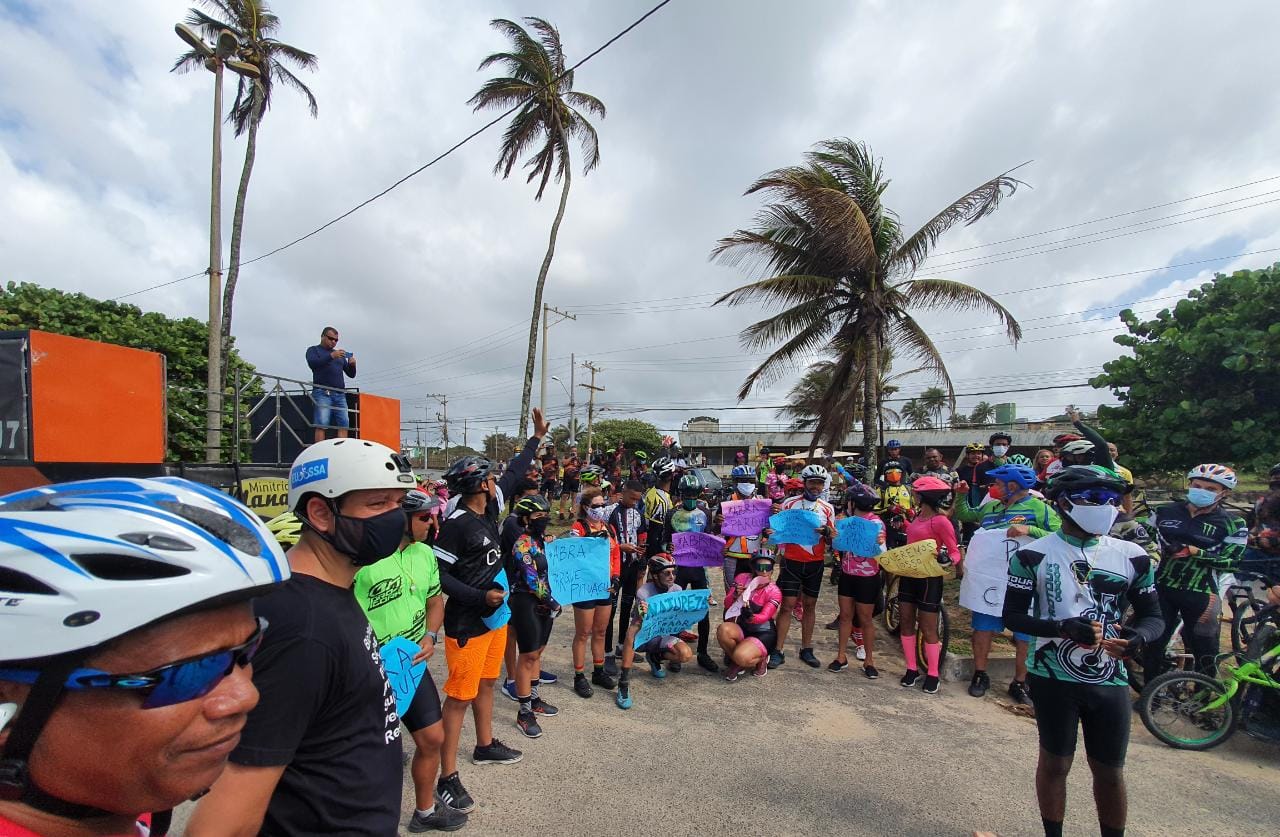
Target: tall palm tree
x=548, y=116
x=934, y=399
x=983, y=413
x=804, y=402
x=255, y=25
x=838, y=260
x=917, y=414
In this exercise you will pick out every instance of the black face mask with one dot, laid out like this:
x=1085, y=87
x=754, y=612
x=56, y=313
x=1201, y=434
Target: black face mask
x=538, y=528
x=367, y=540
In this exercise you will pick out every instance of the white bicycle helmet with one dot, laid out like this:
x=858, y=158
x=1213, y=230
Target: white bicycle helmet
x=813, y=472
x=85, y=562
x=1078, y=447
x=336, y=466
x=1220, y=474
x=664, y=467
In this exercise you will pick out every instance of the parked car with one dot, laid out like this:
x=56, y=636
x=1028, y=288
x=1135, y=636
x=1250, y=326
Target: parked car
x=714, y=488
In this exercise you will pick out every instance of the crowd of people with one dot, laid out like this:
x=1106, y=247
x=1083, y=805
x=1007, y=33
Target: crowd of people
x=146, y=600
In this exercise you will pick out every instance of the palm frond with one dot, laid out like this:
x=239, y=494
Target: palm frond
x=912, y=341
x=549, y=37
x=502, y=93
x=786, y=324
x=948, y=295
x=585, y=101
x=784, y=357
x=578, y=126
x=968, y=208
x=784, y=289
x=296, y=83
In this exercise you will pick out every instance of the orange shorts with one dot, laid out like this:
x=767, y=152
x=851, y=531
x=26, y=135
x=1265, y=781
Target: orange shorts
x=480, y=659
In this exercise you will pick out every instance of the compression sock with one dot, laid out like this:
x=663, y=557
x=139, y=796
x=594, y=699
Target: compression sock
x=856, y=636
x=1051, y=828
x=704, y=634
x=1108, y=831
x=533, y=690
x=932, y=655
x=526, y=702
x=909, y=651
x=597, y=666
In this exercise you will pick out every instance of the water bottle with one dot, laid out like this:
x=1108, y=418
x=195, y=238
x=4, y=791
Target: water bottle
x=944, y=555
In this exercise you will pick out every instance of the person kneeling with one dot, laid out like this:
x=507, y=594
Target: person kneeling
x=748, y=632
x=660, y=649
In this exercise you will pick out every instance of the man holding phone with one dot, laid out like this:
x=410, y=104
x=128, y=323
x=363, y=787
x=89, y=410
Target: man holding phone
x=328, y=364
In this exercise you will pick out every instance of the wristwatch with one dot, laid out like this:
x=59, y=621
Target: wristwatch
x=435, y=636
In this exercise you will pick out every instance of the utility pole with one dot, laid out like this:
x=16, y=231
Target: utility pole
x=547, y=310
x=591, y=399
x=573, y=413
x=464, y=432
x=444, y=422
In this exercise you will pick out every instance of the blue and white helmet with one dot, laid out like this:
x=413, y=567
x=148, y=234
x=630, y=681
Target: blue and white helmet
x=86, y=562
x=743, y=472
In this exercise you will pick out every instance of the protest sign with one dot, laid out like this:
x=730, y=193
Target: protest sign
x=986, y=570
x=578, y=569
x=502, y=615
x=402, y=674
x=797, y=526
x=745, y=518
x=915, y=560
x=697, y=549
x=859, y=535
x=671, y=613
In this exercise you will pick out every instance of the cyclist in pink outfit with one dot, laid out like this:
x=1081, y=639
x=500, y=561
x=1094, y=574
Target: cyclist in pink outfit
x=920, y=599
x=748, y=632
x=775, y=482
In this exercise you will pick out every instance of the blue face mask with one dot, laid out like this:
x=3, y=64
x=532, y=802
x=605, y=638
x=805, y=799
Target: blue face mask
x=1201, y=497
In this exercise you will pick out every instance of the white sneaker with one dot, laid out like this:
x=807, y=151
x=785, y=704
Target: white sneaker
x=860, y=652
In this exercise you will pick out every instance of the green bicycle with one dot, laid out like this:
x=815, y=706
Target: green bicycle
x=1193, y=711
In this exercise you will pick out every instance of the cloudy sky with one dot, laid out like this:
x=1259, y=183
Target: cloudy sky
x=1150, y=127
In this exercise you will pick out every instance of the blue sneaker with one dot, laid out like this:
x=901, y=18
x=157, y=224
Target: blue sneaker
x=655, y=665
x=623, y=697
x=509, y=689
x=547, y=678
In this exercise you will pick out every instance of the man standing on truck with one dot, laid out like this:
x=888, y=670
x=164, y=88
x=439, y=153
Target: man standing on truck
x=329, y=393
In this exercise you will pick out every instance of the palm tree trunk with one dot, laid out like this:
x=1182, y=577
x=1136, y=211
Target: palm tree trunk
x=871, y=404
x=537, y=306
x=237, y=232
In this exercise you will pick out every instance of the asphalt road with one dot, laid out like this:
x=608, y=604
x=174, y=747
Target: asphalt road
x=806, y=751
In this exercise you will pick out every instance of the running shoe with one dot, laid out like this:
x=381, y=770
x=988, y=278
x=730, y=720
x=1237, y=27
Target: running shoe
x=870, y=672
x=509, y=689
x=1018, y=691
x=979, y=684
x=623, y=697
x=836, y=665
x=611, y=665
x=442, y=818
x=603, y=680
x=704, y=660
x=834, y=624
x=910, y=678
x=807, y=657
x=449, y=791
x=731, y=674
x=581, y=686
x=655, y=664
x=548, y=678
x=860, y=652
x=931, y=684
x=495, y=753
x=761, y=669
x=674, y=666
x=777, y=658
x=543, y=709
x=527, y=723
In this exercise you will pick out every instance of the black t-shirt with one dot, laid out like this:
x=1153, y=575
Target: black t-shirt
x=469, y=550
x=326, y=712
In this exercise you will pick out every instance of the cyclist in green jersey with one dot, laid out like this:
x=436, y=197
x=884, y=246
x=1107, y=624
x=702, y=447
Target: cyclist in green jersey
x=1077, y=583
x=1019, y=513
x=401, y=596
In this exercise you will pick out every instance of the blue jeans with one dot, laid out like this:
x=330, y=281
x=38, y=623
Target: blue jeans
x=331, y=407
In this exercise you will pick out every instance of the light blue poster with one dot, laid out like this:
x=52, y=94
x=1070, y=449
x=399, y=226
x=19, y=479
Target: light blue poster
x=402, y=674
x=797, y=526
x=578, y=569
x=671, y=613
x=502, y=615
x=859, y=535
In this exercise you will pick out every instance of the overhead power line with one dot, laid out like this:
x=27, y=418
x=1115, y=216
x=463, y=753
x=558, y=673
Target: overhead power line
x=468, y=138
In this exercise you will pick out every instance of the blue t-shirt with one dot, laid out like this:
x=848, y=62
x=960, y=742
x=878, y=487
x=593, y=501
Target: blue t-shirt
x=327, y=371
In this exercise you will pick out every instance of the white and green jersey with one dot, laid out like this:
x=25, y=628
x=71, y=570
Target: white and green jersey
x=1094, y=579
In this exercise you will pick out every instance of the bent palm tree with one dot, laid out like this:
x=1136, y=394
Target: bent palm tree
x=547, y=117
x=837, y=258
x=254, y=24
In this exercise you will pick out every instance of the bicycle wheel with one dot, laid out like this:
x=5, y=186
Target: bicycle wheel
x=1262, y=641
x=1173, y=710
x=1247, y=625
x=892, y=620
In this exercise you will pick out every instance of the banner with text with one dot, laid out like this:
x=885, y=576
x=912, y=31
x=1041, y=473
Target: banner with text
x=578, y=569
x=986, y=570
x=402, y=674
x=915, y=560
x=670, y=613
x=745, y=518
x=859, y=535
x=697, y=549
x=797, y=526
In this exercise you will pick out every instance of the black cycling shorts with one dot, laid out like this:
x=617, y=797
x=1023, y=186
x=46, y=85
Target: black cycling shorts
x=551, y=489
x=593, y=604
x=532, y=629
x=571, y=486
x=924, y=593
x=424, y=709
x=863, y=589
x=1105, y=713
x=797, y=576
x=692, y=578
